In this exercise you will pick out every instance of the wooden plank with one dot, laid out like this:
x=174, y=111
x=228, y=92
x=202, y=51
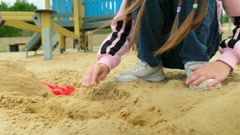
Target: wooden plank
x=65, y=23
x=65, y=32
x=17, y=44
x=98, y=18
x=96, y=25
x=23, y=25
x=23, y=16
x=63, y=15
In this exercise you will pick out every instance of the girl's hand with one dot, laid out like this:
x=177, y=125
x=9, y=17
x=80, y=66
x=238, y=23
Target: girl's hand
x=217, y=70
x=94, y=75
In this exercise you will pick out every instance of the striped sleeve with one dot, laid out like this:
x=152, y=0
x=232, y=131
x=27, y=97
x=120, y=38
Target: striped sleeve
x=118, y=41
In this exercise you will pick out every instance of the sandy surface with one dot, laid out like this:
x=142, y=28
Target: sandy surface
x=138, y=108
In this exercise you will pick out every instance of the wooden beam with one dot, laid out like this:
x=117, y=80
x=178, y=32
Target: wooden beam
x=46, y=32
x=47, y=4
x=76, y=17
x=20, y=16
x=23, y=25
x=62, y=43
x=65, y=32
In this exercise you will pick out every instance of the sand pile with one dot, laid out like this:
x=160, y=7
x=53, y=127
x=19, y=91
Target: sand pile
x=111, y=108
x=17, y=80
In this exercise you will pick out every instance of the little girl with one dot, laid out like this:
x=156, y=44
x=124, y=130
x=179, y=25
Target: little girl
x=168, y=34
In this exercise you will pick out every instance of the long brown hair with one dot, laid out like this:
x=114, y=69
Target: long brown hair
x=177, y=33
x=189, y=24
x=130, y=6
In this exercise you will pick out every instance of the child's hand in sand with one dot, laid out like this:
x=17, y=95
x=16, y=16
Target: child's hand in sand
x=217, y=70
x=94, y=75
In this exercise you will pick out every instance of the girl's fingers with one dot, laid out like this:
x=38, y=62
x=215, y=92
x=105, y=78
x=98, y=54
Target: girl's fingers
x=94, y=75
x=87, y=78
x=199, y=76
x=197, y=67
x=214, y=83
x=199, y=80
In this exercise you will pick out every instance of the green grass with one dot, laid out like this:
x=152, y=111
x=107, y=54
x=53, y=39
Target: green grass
x=3, y=51
x=103, y=31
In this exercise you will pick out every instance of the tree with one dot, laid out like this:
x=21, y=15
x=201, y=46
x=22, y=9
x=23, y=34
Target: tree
x=19, y=5
x=4, y=6
x=22, y=5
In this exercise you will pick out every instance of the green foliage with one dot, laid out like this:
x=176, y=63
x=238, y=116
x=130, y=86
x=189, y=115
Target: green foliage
x=7, y=31
x=225, y=19
x=3, y=6
x=19, y=5
x=22, y=5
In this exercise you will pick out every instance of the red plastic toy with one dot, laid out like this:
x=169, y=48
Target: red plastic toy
x=64, y=90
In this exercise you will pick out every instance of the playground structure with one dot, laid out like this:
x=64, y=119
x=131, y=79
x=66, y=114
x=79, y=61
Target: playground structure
x=61, y=19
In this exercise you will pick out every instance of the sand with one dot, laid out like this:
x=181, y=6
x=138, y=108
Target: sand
x=110, y=108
